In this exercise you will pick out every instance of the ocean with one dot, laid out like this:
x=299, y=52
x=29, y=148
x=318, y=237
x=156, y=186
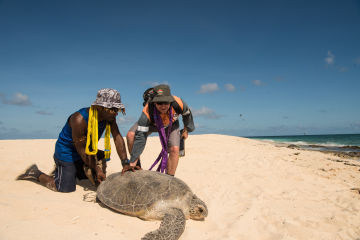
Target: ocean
x=348, y=144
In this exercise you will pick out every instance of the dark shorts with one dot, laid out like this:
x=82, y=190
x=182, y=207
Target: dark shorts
x=66, y=174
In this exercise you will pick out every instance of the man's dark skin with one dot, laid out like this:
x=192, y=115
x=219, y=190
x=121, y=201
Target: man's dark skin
x=79, y=133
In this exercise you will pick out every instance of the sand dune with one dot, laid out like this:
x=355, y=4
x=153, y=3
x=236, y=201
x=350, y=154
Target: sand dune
x=253, y=190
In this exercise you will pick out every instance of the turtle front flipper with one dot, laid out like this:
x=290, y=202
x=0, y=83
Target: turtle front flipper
x=171, y=227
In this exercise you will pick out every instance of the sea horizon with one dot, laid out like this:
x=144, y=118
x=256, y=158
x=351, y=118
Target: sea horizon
x=345, y=144
x=343, y=139
x=305, y=134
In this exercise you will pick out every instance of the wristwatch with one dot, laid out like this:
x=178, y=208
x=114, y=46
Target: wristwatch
x=125, y=162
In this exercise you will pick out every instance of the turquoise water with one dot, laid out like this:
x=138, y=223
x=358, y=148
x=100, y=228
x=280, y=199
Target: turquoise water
x=330, y=142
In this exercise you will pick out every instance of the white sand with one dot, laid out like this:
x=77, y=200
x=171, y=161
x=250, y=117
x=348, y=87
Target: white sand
x=253, y=190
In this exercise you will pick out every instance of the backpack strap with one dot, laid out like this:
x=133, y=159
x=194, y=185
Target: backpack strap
x=148, y=111
x=179, y=107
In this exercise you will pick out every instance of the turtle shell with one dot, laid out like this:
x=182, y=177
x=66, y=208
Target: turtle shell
x=141, y=192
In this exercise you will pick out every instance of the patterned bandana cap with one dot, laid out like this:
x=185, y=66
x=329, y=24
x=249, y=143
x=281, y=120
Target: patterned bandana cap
x=109, y=98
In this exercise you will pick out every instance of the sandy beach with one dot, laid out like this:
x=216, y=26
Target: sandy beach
x=253, y=190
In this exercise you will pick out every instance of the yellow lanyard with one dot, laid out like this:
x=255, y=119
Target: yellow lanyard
x=92, y=134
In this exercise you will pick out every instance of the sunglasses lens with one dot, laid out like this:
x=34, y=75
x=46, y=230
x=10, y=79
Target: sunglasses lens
x=162, y=103
x=115, y=110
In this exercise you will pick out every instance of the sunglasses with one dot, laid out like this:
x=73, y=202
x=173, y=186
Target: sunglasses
x=162, y=103
x=112, y=110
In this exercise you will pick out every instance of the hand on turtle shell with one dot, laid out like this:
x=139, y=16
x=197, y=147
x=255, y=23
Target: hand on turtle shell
x=130, y=168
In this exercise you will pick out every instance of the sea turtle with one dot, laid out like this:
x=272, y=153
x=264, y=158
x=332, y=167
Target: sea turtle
x=151, y=195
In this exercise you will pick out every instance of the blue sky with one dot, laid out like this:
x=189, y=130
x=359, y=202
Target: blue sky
x=246, y=68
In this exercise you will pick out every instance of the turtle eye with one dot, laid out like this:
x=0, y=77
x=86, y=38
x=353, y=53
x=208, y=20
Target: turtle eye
x=202, y=211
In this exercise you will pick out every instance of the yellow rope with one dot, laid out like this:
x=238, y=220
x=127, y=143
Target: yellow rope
x=92, y=134
x=107, y=143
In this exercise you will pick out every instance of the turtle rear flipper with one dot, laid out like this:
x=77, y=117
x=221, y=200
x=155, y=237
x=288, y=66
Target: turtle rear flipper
x=171, y=227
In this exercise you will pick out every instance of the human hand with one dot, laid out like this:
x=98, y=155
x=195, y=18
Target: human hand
x=100, y=175
x=130, y=167
x=184, y=134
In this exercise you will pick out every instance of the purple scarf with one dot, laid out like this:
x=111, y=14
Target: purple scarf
x=164, y=137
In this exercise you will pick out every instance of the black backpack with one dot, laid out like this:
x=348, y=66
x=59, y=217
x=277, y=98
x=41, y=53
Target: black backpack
x=148, y=95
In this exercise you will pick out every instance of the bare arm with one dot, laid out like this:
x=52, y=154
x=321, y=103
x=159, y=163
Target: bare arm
x=79, y=130
x=119, y=141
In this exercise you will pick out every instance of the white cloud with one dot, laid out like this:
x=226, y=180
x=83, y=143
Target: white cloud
x=229, y=87
x=125, y=120
x=330, y=59
x=210, y=87
x=206, y=113
x=18, y=99
x=257, y=82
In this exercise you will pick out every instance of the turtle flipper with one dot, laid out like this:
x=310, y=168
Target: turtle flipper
x=171, y=227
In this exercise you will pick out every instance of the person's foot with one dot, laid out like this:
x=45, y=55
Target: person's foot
x=32, y=173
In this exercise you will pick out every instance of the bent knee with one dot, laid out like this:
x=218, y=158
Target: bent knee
x=52, y=186
x=130, y=135
x=174, y=149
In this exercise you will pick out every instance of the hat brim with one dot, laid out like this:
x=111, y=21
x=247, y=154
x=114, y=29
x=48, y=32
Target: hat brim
x=109, y=105
x=163, y=99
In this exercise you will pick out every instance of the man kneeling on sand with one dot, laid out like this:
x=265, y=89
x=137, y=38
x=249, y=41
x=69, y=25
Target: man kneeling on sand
x=76, y=153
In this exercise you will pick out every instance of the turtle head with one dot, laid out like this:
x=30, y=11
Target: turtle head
x=198, y=209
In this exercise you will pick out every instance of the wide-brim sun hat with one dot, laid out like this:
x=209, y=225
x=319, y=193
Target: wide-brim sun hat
x=109, y=98
x=162, y=94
